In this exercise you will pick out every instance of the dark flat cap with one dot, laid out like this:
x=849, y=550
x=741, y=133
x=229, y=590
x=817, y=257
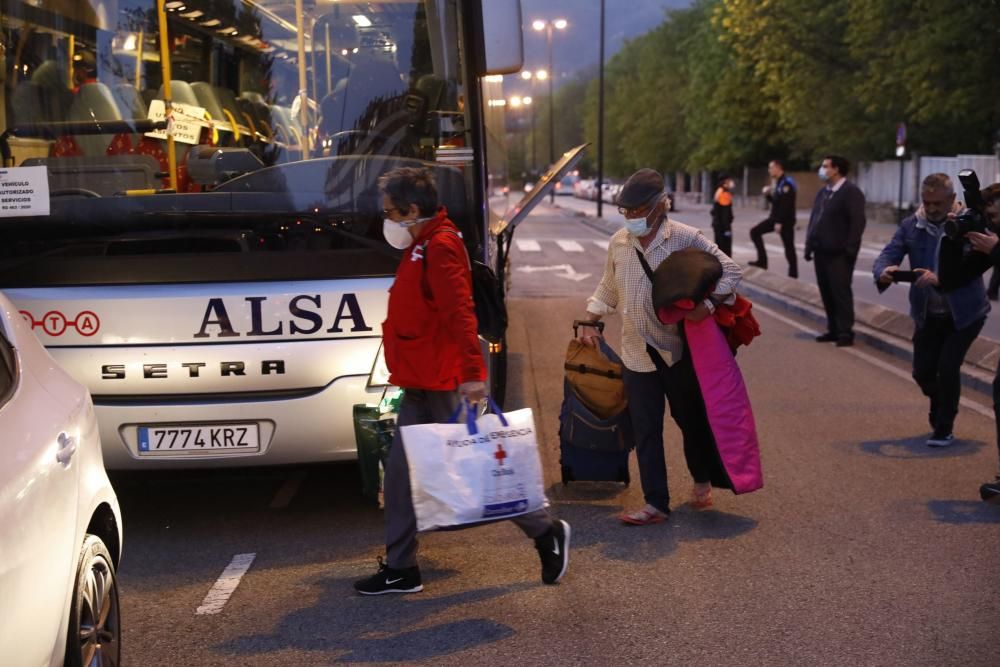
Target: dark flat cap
x=640, y=187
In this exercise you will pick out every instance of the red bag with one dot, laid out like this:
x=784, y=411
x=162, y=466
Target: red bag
x=738, y=322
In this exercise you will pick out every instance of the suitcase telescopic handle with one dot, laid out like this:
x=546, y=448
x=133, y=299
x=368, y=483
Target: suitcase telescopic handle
x=587, y=323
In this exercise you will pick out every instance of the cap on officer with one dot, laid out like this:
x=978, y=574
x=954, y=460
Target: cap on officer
x=640, y=188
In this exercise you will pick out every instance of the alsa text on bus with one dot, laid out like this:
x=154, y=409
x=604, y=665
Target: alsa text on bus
x=304, y=318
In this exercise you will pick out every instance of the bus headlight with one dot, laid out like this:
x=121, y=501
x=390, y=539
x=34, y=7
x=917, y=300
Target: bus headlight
x=379, y=377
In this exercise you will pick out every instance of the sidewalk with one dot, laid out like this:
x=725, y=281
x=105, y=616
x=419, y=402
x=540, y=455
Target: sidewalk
x=877, y=325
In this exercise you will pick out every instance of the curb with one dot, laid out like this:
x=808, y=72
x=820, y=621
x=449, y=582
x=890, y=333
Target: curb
x=878, y=326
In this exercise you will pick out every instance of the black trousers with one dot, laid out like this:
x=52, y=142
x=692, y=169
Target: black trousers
x=787, y=239
x=994, y=286
x=938, y=352
x=646, y=405
x=834, y=274
x=724, y=239
x=996, y=411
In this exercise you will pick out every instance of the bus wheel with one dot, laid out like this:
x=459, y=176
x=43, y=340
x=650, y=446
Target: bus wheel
x=498, y=373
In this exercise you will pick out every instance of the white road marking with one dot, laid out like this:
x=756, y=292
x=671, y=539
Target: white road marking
x=287, y=491
x=570, y=246
x=975, y=406
x=603, y=245
x=224, y=586
x=560, y=270
x=527, y=245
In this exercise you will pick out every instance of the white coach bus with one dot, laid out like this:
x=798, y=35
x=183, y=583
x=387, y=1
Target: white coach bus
x=189, y=216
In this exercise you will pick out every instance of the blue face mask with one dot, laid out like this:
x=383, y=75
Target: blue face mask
x=640, y=226
x=823, y=174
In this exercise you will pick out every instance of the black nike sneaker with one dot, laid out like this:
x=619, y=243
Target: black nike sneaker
x=553, y=549
x=990, y=492
x=388, y=580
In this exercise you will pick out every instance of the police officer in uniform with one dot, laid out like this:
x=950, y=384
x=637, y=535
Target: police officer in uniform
x=722, y=215
x=781, y=196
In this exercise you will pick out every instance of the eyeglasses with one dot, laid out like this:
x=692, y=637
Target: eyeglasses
x=386, y=212
x=637, y=212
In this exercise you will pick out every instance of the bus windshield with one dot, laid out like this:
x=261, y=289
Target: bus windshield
x=223, y=140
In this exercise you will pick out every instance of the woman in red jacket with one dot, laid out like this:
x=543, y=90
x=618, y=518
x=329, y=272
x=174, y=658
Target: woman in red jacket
x=433, y=353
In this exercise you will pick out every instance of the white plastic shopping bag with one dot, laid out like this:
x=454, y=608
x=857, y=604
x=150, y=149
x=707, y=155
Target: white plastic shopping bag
x=484, y=469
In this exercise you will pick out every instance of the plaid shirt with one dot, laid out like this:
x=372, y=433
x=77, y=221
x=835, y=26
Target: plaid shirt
x=625, y=286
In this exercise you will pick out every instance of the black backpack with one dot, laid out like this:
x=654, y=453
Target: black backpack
x=491, y=311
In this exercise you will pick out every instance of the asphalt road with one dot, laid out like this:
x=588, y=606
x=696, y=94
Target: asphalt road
x=864, y=548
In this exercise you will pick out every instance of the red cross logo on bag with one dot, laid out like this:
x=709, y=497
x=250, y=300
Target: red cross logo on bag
x=500, y=455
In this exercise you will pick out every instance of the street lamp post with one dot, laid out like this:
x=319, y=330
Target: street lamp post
x=548, y=26
x=538, y=75
x=600, y=124
x=518, y=102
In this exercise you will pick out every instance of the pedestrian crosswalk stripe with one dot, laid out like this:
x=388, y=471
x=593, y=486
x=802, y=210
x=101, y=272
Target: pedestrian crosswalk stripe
x=527, y=245
x=570, y=246
x=603, y=245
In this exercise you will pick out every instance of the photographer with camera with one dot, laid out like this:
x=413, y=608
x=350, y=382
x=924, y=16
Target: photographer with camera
x=978, y=227
x=946, y=322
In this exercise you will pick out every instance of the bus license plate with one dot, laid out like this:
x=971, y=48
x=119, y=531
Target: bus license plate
x=157, y=440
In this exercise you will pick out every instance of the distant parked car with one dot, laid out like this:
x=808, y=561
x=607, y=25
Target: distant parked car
x=60, y=524
x=609, y=192
x=585, y=188
x=566, y=185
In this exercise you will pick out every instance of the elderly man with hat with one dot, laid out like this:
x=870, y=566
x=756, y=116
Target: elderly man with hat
x=654, y=355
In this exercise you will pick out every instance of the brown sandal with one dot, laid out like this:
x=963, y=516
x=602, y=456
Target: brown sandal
x=643, y=517
x=701, y=500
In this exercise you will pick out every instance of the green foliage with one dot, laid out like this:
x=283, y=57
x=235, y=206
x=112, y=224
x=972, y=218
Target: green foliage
x=730, y=82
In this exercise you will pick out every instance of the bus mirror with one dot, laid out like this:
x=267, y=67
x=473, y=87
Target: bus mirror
x=503, y=45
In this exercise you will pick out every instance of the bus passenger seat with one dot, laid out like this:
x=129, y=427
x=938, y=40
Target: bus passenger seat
x=209, y=101
x=181, y=93
x=94, y=102
x=130, y=102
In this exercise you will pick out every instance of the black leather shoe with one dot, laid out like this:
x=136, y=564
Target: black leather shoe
x=759, y=265
x=845, y=342
x=826, y=338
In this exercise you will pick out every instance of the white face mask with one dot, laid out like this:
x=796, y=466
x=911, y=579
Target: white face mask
x=397, y=234
x=823, y=174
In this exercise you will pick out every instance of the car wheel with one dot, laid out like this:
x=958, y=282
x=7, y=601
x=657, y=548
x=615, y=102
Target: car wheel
x=94, y=635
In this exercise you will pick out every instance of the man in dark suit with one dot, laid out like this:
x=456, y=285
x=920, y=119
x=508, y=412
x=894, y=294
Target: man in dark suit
x=834, y=239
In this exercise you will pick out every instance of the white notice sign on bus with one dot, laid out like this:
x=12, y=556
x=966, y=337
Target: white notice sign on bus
x=24, y=191
x=187, y=121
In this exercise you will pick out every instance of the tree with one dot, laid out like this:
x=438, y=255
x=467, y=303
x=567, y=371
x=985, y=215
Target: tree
x=731, y=122
x=933, y=65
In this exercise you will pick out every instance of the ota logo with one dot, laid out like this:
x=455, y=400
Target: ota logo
x=55, y=323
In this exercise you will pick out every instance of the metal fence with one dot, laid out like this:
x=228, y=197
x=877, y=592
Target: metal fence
x=880, y=180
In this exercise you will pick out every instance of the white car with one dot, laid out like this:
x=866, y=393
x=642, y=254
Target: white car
x=60, y=524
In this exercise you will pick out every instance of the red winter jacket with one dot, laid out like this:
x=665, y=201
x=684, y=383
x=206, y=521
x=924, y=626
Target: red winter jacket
x=429, y=333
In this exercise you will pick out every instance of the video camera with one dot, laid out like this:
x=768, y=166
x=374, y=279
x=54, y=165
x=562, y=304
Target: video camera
x=973, y=219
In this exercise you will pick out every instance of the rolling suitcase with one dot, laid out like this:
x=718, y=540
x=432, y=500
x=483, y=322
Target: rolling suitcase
x=595, y=430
